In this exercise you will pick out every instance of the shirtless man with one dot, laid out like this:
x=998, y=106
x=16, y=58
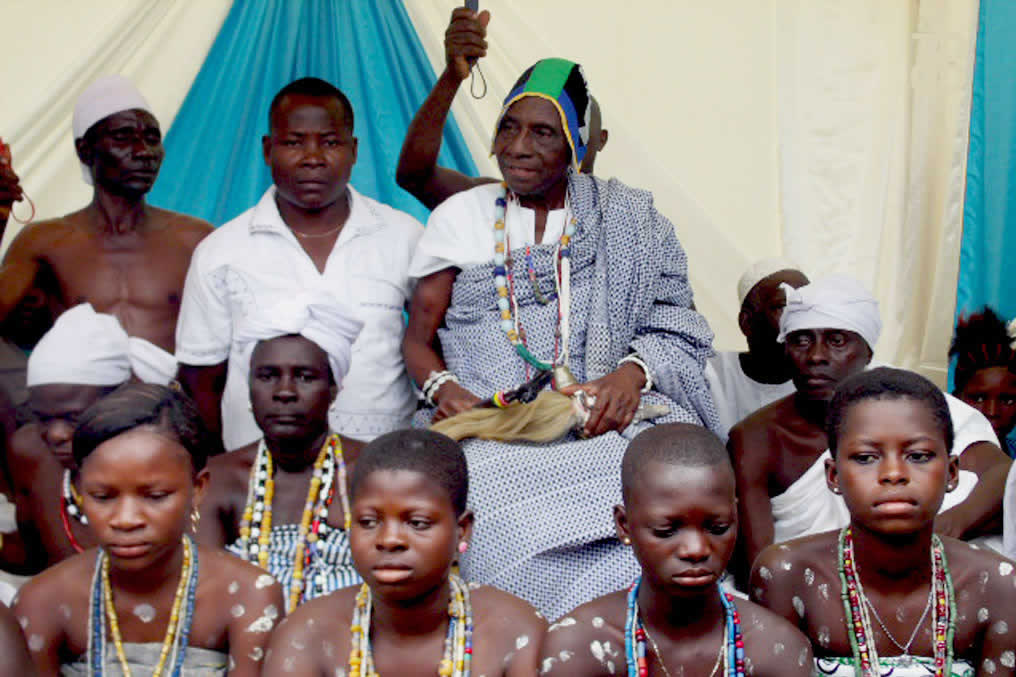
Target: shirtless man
x=84, y=357
x=418, y=171
x=829, y=328
x=118, y=253
x=743, y=382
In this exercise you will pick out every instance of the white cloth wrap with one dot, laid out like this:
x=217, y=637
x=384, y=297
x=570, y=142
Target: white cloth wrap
x=1009, y=515
x=759, y=271
x=108, y=95
x=808, y=506
x=312, y=313
x=88, y=348
x=834, y=302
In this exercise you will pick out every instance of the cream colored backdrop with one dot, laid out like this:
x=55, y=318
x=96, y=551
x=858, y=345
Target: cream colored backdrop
x=832, y=131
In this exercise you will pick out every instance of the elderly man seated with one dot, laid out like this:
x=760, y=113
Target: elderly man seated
x=554, y=269
x=779, y=452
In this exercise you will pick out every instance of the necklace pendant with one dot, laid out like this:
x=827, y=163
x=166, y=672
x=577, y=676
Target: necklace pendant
x=906, y=660
x=563, y=377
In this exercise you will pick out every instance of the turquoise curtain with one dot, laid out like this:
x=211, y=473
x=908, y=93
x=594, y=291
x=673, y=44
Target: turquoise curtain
x=367, y=48
x=989, y=213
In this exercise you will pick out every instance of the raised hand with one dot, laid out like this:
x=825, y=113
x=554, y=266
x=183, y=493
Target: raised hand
x=465, y=40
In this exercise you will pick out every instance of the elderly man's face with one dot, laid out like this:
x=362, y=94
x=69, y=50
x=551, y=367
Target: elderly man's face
x=531, y=147
x=822, y=358
x=124, y=151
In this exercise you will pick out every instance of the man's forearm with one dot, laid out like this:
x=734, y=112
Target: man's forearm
x=205, y=385
x=418, y=159
x=980, y=513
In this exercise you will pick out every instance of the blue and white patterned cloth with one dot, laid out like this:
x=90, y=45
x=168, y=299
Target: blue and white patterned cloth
x=544, y=529
x=891, y=666
x=331, y=566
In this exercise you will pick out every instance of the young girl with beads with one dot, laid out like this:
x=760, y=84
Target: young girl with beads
x=413, y=615
x=147, y=600
x=886, y=594
x=985, y=376
x=282, y=502
x=680, y=518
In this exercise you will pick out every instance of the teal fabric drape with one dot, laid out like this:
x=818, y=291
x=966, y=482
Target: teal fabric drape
x=989, y=213
x=367, y=48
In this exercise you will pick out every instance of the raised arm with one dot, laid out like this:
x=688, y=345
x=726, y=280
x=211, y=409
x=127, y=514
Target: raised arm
x=418, y=171
x=981, y=512
x=205, y=385
x=754, y=511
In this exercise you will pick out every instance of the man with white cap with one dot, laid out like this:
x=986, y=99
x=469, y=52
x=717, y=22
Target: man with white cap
x=743, y=382
x=118, y=253
x=830, y=327
x=281, y=502
x=85, y=356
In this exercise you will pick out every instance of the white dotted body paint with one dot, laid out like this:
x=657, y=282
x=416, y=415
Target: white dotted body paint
x=802, y=657
x=266, y=622
x=989, y=666
x=257, y=654
x=233, y=587
x=596, y=649
x=765, y=574
x=328, y=649
x=23, y=622
x=1008, y=658
x=237, y=611
x=823, y=589
x=786, y=565
x=65, y=611
x=565, y=622
x=1004, y=569
x=597, y=622
x=823, y=636
x=146, y=612
x=288, y=663
x=263, y=581
x=809, y=576
x=983, y=580
x=565, y=656
x=798, y=605
x=36, y=643
x=983, y=614
x=521, y=642
x=298, y=644
x=548, y=665
x=1001, y=628
x=779, y=648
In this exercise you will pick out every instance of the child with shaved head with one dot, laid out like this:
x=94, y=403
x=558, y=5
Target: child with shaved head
x=680, y=517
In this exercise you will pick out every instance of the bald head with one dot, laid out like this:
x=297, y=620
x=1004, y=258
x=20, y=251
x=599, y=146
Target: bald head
x=676, y=444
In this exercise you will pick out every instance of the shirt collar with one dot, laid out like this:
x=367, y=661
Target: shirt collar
x=363, y=219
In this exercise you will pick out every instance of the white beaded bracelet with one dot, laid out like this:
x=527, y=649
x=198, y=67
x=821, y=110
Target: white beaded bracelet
x=434, y=381
x=636, y=360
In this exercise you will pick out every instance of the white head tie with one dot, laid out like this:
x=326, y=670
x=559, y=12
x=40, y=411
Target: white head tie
x=104, y=97
x=759, y=271
x=834, y=302
x=88, y=348
x=314, y=314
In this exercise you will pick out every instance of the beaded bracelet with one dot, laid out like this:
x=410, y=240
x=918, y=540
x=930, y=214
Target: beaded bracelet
x=636, y=360
x=434, y=383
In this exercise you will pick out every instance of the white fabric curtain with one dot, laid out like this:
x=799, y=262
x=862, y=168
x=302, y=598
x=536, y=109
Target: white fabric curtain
x=834, y=132
x=59, y=47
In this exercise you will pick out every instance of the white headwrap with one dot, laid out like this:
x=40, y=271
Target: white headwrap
x=834, y=302
x=759, y=271
x=88, y=348
x=104, y=97
x=314, y=314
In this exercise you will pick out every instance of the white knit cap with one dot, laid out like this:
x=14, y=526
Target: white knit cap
x=104, y=97
x=759, y=271
x=88, y=348
x=834, y=302
x=314, y=314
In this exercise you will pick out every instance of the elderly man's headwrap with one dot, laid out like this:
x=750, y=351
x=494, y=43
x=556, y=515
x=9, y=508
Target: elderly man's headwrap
x=104, y=97
x=834, y=302
x=88, y=348
x=314, y=314
x=563, y=83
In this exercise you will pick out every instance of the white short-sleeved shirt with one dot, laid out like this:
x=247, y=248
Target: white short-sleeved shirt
x=460, y=232
x=735, y=394
x=256, y=256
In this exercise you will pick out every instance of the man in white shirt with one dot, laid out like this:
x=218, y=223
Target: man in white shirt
x=310, y=229
x=744, y=382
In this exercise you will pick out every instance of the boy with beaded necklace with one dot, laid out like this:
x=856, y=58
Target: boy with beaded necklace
x=413, y=616
x=885, y=592
x=680, y=517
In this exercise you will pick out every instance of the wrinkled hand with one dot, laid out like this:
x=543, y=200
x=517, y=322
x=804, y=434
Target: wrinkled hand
x=465, y=40
x=453, y=399
x=10, y=186
x=617, y=398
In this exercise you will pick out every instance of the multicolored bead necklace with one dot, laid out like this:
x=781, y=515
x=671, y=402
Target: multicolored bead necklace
x=505, y=287
x=257, y=515
x=732, y=650
x=458, y=643
x=855, y=606
x=102, y=610
x=70, y=506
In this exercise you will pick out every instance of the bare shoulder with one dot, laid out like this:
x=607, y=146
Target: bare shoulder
x=315, y=636
x=981, y=569
x=782, y=560
x=589, y=640
x=63, y=581
x=183, y=228
x=504, y=611
x=758, y=426
x=772, y=644
x=26, y=445
x=231, y=469
x=35, y=239
x=230, y=575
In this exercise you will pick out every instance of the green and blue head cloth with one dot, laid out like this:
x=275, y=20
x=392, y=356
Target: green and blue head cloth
x=563, y=83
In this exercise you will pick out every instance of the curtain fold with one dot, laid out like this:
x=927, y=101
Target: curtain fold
x=989, y=215
x=367, y=48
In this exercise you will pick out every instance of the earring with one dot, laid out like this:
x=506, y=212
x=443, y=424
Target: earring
x=836, y=490
x=463, y=546
x=626, y=540
x=195, y=518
